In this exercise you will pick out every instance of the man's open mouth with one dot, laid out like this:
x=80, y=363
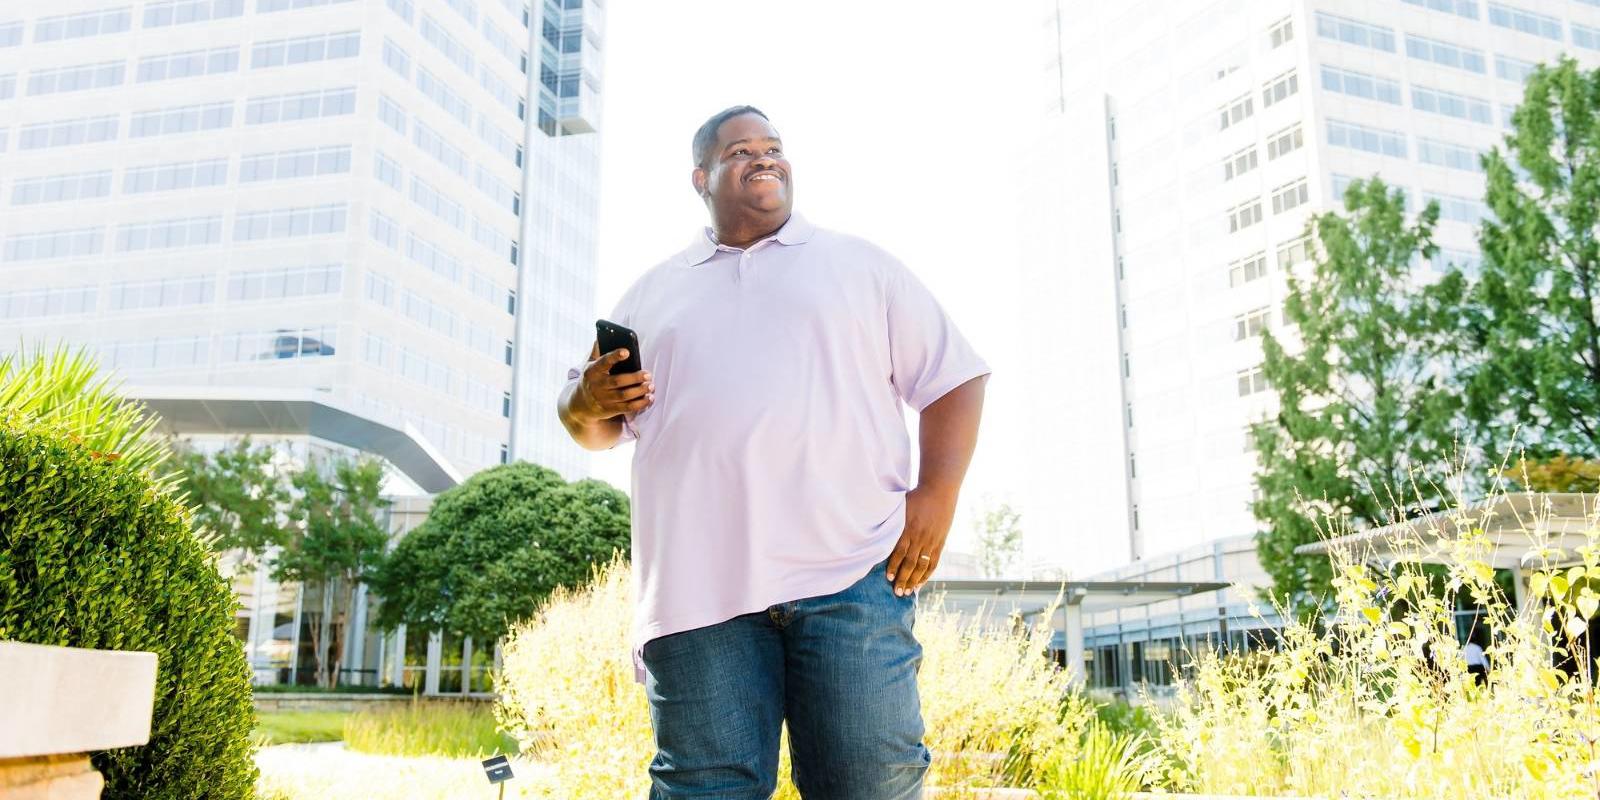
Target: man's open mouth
x=765, y=176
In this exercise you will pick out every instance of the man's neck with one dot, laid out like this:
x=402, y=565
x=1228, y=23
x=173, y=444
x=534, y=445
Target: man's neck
x=745, y=232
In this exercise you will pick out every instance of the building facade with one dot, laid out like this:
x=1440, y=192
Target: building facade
x=1184, y=148
x=349, y=225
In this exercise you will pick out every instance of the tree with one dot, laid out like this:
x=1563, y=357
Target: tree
x=1366, y=417
x=999, y=539
x=334, y=543
x=237, y=496
x=64, y=388
x=1556, y=474
x=1534, y=320
x=493, y=548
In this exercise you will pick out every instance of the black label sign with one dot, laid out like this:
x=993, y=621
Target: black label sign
x=498, y=769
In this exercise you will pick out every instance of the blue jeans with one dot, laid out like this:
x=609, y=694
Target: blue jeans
x=840, y=668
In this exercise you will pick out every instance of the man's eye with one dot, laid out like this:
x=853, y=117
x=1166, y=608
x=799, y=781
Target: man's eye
x=775, y=151
x=741, y=151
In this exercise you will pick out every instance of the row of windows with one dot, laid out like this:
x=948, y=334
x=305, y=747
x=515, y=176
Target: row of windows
x=381, y=291
x=176, y=292
x=269, y=6
x=169, y=234
x=248, y=226
x=78, y=78
x=1459, y=57
x=1252, y=323
x=1360, y=84
x=305, y=49
x=190, y=64
x=443, y=96
x=282, y=223
x=288, y=164
x=1500, y=14
x=457, y=53
x=58, y=188
x=81, y=25
x=435, y=259
x=424, y=371
x=437, y=203
x=1371, y=140
x=188, y=119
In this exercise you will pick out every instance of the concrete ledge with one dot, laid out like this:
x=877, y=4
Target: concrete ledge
x=69, y=700
x=49, y=778
x=353, y=701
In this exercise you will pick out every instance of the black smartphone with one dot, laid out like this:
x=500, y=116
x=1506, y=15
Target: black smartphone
x=612, y=336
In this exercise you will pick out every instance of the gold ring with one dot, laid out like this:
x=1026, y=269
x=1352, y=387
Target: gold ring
x=924, y=557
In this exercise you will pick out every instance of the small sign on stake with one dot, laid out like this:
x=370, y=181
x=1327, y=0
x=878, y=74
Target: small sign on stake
x=499, y=771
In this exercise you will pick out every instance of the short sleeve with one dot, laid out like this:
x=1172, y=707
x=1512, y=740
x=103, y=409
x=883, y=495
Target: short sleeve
x=621, y=314
x=928, y=355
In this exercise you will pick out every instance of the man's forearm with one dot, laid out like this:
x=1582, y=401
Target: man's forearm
x=948, y=433
x=591, y=434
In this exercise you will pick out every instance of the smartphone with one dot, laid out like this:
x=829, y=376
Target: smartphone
x=612, y=336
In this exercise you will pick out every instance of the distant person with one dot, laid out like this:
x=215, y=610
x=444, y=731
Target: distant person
x=1477, y=661
x=778, y=538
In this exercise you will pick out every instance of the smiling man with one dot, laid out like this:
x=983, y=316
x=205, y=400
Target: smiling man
x=778, y=540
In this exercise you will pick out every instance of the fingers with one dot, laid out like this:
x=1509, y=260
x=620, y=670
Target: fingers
x=923, y=569
x=909, y=563
x=896, y=557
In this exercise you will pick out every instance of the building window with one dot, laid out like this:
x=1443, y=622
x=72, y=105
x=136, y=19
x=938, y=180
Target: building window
x=78, y=26
x=390, y=113
x=64, y=133
x=1239, y=163
x=1123, y=315
x=1459, y=209
x=402, y=8
x=505, y=405
x=396, y=58
x=505, y=453
x=443, y=96
x=1289, y=196
x=1360, y=84
x=1236, y=111
x=1448, y=154
x=457, y=53
x=283, y=223
x=47, y=245
x=165, y=293
x=1279, y=89
x=1445, y=54
x=183, y=119
x=1354, y=32
x=169, y=234
x=274, y=284
x=162, y=13
x=1371, y=140
x=1588, y=38
x=287, y=164
x=1294, y=252
x=270, y=6
x=385, y=231
x=1128, y=415
x=1525, y=21
x=1284, y=142
x=79, y=78
x=191, y=64
x=174, y=176
x=1133, y=467
x=1461, y=8
x=1281, y=33
x=59, y=188
x=511, y=302
x=387, y=170
x=305, y=49
x=280, y=343
x=1251, y=381
x=1246, y=270
x=1512, y=69
x=1251, y=324
x=511, y=353
x=1244, y=215
x=1450, y=104
x=1127, y=368
x=56, y=302
x=1136, y=516
x=301, y=105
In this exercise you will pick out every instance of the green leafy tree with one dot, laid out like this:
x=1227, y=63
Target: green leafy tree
x=1366, y=418
x=999, y=532
x=1534, y=319
x=493, y=548
x=237, y=494
x=335, y=542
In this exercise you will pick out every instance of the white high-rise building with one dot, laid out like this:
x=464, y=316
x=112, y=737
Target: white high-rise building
x=317, y=200
x=344, y=225
x=1185, y=144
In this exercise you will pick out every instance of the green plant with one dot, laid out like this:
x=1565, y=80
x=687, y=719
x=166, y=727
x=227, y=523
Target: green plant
x=63, y=388
x=424, y=728
x=1126, y=719
x=1375, y=700
x=994, y=706
x=1533, y=332
x=93, y=553
x=238, y=497
x=493, y=548
x=1103, y=766
x=294, y=727
x=336, y=541
x=1364, y=405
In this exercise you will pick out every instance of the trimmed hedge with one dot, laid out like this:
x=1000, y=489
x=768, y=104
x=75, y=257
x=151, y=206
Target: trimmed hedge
x=93, y=555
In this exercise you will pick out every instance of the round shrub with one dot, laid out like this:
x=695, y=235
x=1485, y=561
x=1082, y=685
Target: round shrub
x=94, y=554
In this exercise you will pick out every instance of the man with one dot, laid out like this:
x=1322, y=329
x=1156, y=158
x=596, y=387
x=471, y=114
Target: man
x=777, y=540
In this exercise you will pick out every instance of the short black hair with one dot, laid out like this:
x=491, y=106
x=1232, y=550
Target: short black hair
x=706, y=137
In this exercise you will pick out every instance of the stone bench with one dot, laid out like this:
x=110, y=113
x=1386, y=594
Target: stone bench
x=59, y=703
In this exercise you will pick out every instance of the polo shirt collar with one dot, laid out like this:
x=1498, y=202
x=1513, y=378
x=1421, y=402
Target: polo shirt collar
x=796, y=231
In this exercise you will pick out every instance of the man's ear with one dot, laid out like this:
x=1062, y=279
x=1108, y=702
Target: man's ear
x=700, y=178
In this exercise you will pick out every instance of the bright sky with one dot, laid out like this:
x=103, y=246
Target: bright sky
x=895, y=117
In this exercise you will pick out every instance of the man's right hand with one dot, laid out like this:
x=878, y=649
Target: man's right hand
x=601, y=395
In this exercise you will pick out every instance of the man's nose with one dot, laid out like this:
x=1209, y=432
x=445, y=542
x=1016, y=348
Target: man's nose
x=764, y=162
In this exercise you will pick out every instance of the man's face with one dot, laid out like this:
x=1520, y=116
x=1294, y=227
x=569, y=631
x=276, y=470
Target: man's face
x=747, y=172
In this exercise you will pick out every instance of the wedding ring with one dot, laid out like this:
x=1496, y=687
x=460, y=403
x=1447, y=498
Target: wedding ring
x=924, y=557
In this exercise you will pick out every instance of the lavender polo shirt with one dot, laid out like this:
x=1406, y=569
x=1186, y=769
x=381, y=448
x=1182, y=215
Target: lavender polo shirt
x=774, y=462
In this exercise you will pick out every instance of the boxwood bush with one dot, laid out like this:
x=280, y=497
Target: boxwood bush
x=93, y=553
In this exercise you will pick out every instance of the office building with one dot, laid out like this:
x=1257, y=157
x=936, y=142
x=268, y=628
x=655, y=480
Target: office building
x=1184, y=147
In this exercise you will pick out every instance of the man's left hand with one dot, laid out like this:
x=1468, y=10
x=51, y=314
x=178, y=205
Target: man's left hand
x=928, y=517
